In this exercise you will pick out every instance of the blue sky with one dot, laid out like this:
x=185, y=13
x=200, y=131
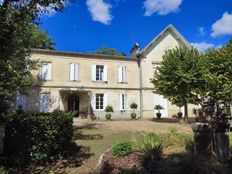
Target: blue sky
x=87, y=25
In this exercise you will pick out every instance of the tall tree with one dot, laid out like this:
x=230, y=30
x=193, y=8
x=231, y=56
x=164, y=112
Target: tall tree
x=17, y=22
x=41, y=40
x=217, y=73
x=178, y=77
x=109, y=51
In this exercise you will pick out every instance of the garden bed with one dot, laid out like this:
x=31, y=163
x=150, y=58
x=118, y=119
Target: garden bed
x=109, y=163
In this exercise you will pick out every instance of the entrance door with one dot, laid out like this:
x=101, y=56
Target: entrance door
x=160, y=100
x=73, y=103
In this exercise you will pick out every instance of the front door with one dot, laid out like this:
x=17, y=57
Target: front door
x=73, y=103
x=160, y=100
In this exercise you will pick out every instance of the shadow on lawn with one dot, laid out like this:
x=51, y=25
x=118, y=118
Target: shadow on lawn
x=172, y=120
x=79, y=135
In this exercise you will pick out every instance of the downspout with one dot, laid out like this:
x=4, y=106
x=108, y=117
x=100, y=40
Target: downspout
x=140, y=86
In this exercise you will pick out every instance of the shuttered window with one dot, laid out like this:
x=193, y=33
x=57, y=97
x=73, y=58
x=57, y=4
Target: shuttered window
x=99, y=73
x=45, y=100
x=74, y=72
x=46, y=73
x=101, y=101
x=122, y=74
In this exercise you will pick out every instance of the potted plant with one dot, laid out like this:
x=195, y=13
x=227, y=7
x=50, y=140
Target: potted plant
x=179, y=114
x=133, y=106
x=158, y=108
x=108, y=110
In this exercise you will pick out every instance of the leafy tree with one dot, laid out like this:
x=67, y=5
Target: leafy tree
x=109, y=51
x=41, y=40
x=17, y=30
x=217, y=73
x=179, y=76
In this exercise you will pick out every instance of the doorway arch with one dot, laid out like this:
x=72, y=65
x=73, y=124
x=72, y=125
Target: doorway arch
x=73, y=102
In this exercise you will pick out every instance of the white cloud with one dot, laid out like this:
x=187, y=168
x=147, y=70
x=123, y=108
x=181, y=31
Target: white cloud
x=201, y=31
x=100, y=11
x=162, y=7
x=222, y=26
x=202, y=46
x=1, y=1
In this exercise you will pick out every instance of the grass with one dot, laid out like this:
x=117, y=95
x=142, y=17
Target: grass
x=100, y=139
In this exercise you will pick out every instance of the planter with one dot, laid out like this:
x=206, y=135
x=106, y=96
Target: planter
x=108, y=116
x=158, y=115
x=180, y=114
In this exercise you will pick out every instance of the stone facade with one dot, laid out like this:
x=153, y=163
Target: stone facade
x=89, y=95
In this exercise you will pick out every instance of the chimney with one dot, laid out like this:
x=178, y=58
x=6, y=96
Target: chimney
x=135, y=50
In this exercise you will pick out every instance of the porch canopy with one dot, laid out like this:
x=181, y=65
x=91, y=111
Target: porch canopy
x=78, y=99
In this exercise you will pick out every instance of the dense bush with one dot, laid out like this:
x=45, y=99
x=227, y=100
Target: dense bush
x=3, y=170
x=122, y=149
x=37, y=137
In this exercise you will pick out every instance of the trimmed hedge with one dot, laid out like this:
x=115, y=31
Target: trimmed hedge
x=37, y=137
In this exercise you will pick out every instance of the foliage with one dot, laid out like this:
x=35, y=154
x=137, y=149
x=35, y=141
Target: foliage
x=17, y=31
x=3, y=170
x=133, y=116
x=151, y=145
x=109, y=51
x=37, y=137
x=174, y=138
x=122, y=149
x=109, y=109
x=158, y=107
x=133, y=106
x=41, y=40
x=179, y=76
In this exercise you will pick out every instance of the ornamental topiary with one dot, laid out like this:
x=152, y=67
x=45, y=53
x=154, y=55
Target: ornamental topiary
x=122, y=149
x=133, y=106
x=109, y=110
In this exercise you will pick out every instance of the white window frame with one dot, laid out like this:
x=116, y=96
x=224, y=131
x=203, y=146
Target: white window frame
x=74, y=72
x=98, y=105
x=46, y=71
x=122, y=102
x=45, y=110
x=99, y=73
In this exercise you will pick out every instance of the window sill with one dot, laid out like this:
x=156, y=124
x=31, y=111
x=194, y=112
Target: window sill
x=74, y=81
x=100, y=81
x=122, y=82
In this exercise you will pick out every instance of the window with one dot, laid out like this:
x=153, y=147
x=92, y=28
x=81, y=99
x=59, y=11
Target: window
x=74, y=72
x=122, y=74
x=21, y=102
x=122, y=102
x=46, y=73
x=45, y=100
x=99, y=101
x=99, y=73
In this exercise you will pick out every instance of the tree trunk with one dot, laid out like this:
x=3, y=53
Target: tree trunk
x=186, y=113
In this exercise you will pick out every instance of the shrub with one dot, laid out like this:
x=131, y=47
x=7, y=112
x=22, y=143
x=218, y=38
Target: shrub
x=37, y=137
x=174, y=138
x=108, y=110
x=122, y=149
x=133, y=106
x=3, y=170
x=133, y=116
x=151, y=145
